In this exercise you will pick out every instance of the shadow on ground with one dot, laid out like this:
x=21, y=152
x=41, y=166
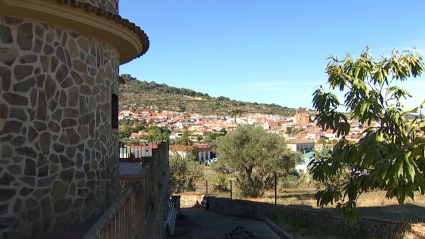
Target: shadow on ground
x=198, y=223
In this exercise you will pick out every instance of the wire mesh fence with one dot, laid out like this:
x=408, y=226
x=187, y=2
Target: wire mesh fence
x=305, y=196
x=373, y=204
x=378, y=198
x=210, y=188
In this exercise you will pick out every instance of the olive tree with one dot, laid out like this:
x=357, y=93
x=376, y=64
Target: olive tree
x=184, y=172
x=254, y=156
x=390, y=155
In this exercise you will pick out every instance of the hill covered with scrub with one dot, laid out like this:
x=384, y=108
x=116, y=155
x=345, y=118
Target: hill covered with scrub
x=143, y=95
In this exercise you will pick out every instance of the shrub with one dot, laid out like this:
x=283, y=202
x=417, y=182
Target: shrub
x=183, y=173
x=295, y=180
x=253, y=187
x=221, y=182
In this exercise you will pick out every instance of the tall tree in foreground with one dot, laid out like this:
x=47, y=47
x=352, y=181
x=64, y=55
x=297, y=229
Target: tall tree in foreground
x=390, y=156
x=254, y=155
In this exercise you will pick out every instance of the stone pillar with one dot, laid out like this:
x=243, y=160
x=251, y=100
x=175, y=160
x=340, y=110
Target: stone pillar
x=58, y=142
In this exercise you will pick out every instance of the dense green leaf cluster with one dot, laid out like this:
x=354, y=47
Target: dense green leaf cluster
x=155, y=134
x=184, y=140
x=390, y=156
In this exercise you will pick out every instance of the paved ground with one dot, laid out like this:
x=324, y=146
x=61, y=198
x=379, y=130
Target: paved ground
x=128, y=168
x=201, y=224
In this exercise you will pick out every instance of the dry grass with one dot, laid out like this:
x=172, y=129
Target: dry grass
x=370, y=204
x=301, y=230
x=372, y=199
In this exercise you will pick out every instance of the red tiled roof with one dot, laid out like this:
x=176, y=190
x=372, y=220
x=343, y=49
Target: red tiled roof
x=144, y=146
x=180, y=148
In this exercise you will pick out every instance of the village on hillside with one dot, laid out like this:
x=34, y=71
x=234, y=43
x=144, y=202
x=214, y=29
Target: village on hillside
x=300, y=131
x=301, y=126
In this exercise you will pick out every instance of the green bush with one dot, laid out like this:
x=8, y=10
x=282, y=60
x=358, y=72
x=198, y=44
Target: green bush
x=290, y=181
x=183, y=173
x=221, y=182
x=253, y=187
x=295, y=180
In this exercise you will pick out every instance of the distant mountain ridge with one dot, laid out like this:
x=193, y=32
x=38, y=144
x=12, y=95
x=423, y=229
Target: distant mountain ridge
x=143, y=95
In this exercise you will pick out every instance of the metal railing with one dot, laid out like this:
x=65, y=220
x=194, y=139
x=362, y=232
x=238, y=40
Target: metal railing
x=139, y=151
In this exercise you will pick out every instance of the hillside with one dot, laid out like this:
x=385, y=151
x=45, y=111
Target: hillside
x=143, y=95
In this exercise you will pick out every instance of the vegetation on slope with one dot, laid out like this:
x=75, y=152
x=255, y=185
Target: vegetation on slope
x=143, y=95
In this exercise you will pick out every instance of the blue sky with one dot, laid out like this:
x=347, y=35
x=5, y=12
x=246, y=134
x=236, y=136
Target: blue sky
x=267, y=51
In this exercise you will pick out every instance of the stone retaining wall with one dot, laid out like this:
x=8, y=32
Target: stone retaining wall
x=58, y=153
x=190, y=200
x=370, y=228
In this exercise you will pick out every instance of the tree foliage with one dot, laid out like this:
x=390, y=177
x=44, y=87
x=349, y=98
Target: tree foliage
x=211, y=137
x=297, y=130
x=157, y=134
x=184, y=139
x=254, y=155
x=184, y=172
x=390, y=156
x=125, y=132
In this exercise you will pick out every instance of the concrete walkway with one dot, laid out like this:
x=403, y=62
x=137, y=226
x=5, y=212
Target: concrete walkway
x=201, y=224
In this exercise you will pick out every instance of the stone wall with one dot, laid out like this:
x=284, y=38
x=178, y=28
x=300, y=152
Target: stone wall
x=150, y=194
x=370, y=228
x=58, y=153
x=105, y=5
x=190, y=200
x=160, y=192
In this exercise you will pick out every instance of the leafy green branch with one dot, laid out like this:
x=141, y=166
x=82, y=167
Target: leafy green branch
x=390, y=156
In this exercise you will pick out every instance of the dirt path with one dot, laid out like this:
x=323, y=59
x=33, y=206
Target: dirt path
x=201, y=224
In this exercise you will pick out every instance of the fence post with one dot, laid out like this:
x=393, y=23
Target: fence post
x=130, y=150
x=275, y=189
x=230, y=189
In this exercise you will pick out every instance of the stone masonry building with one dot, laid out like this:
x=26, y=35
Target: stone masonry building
x=302, y=118
x=59, y=72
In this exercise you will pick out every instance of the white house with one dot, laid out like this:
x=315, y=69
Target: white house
x=202, y=152
x=303, y=165
x=301, y=145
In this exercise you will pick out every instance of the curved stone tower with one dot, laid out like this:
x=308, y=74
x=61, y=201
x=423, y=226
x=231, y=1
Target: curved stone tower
x=59, y=65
